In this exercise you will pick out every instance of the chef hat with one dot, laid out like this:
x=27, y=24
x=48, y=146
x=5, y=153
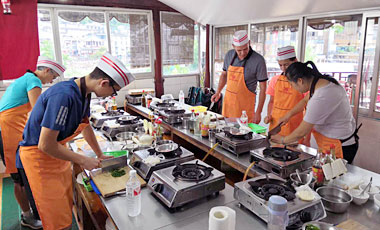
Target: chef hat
x=240, y=38
x=46, y=62
x=115, y=69
x=286, y=52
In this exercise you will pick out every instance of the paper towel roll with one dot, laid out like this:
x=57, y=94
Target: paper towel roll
x=222, y=218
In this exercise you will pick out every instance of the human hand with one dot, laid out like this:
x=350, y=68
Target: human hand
x=257, y=118
x=268, y=119
x=276, y=138
x=283, y=120
x=215, y=97
x=104, y=157
x=91, y=163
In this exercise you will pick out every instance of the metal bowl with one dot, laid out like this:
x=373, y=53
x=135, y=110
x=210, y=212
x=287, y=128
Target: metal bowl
x=238, y=132
x=162, y=142
x=140, y=130
x=124, y=136
x=320, y=225
x=334, y=199
x=166, y=148
x=304, y=179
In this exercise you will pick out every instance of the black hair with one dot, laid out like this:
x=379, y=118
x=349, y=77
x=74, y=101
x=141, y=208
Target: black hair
x=292, y=59
x=99, y=74
x=301, y=70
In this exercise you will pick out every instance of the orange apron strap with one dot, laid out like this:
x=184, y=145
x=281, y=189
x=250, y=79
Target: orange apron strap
x=12, y=123
x=324, y=143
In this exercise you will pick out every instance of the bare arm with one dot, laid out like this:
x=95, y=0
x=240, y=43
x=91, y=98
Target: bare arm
x=33, y=95
x=296, y=109
x=262, y=95
x=268, y=118
x=48, y=144
x=222, y=83
x=301, y=131
x=90, y=138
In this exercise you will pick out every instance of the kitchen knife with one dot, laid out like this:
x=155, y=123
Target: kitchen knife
x=212, y=104
x=113, y=163
x=274, y=131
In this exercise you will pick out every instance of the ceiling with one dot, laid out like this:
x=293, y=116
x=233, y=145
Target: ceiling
x=230, y=12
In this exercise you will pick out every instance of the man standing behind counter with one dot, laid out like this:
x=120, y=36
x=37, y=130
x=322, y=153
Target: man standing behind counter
x=242, y=69
x=60, y=114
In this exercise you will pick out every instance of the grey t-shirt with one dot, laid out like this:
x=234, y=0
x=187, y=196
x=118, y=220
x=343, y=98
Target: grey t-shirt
x=255, y=69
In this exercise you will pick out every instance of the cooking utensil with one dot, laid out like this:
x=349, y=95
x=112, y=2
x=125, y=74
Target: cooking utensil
x=368, y=185
x=274, y=131
x=113, y=163
x=305, y=178
x=212, y=104
x=298, y=175
x=124, y=136
x=334, y=199
x=166, y=148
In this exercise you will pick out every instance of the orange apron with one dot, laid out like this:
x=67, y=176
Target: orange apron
x=285, y=98
x=50, y=180
x=324, y=143
x=238, y=97
x=12, y=123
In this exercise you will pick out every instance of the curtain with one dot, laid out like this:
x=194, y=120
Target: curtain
x=19, y=45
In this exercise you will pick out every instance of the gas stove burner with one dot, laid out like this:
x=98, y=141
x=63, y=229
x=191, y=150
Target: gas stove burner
x=169, y=154
x=281, y=154
x=231, y=135
x=127, y=120
x=192, y=172
x=112, y=113
x=174, y=110
x=266, y=188
x=164, y=104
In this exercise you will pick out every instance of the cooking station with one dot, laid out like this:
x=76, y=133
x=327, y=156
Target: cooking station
x=125, y=123
x=97, y=119
x=281, y=161
x=170, y=112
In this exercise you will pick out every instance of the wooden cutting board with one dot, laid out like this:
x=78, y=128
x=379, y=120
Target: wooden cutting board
x=351, y=224
x=109, y=185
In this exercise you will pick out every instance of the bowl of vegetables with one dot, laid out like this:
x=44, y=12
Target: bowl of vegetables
x=316, y=225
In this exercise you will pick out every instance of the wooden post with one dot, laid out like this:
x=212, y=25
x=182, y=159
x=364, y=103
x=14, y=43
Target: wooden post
x=158, y=80
x=207, y=58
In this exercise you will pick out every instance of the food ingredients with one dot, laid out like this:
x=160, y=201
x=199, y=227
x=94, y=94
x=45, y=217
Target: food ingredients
x=118, y=172
x=311, y=227
x=306, y=195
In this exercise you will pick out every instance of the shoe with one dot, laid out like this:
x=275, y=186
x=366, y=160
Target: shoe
x=31, y=222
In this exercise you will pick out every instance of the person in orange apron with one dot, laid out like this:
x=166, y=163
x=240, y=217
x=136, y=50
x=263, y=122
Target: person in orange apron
x=243, y=68
x=328, y=114
x=282, y=96
x=61, y=113
x=17, y=101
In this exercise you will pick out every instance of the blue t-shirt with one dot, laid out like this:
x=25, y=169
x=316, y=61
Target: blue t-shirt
x=17, y=93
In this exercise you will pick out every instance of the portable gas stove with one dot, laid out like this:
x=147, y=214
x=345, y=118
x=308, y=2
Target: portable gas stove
x=133, y=99
x=124, y=123
x=190, y=181
x=145, y=170
x=97, y=119
x=162, y=105
x=254, y=194
x=173, y=115
x=240, y=144
x=281, y=161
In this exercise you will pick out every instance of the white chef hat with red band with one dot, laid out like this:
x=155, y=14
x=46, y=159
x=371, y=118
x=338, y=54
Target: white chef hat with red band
x=286, y=52
x=240, y=38
x=115, y=69
x=54, y=65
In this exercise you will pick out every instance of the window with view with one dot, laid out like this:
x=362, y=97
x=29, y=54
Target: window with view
x=223, y=43
x=179, y=44
x=45, y=33
x=333, y=44
x=267, y=38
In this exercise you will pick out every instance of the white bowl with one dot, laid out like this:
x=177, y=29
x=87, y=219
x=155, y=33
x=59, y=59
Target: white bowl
x=359, y=200
x=376, y=198
x=374, y=190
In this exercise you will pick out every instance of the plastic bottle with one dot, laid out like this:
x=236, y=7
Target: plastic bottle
x=205, y=125
x=317, y=170
x=193, y=120
x=143, y=99
x=244, y=118
x=332, y=151
x=181, y=98
x=197, y=125
x=133, y=194
x=114, y=105
x=278, y=213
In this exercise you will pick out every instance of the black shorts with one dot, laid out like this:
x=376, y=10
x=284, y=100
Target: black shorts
x=2, y=149
x=16, y=177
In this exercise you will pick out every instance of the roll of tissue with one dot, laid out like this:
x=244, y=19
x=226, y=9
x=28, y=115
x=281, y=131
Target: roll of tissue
x=222, y=218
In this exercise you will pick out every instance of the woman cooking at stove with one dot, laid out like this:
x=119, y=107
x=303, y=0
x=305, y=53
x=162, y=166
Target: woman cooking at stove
x=328, y=113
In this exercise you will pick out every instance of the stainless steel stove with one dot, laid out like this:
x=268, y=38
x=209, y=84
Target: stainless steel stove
x=281, y=161
x=254, y=194
x=112, y=127
x=240, y=145
x=133, y=99
x=97, y=119
x=190, y=181
x=145, y=170
x=162, y=105
x=174, y=116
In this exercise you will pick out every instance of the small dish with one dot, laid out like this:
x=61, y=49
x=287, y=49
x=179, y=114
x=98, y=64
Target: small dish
x=373, y=190
x=376, y=198
x=357, y=198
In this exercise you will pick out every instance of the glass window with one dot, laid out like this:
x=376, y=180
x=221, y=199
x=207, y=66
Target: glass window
x=83, y=41
x=129, y=36
x=223, y=43
x=45, y=33
x=333, y=44
x=179, y=44
x=267, y=38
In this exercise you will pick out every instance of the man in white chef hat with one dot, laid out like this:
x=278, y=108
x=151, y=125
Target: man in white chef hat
x=242, y=69
x=283, y=97
x=17, y=101
x=60, y=114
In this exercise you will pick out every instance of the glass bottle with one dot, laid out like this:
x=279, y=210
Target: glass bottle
x=317, y=170
x=143, y=99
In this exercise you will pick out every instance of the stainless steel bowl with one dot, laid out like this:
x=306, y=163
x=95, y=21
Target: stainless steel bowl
x=320, y=225
x=124, y=136
x=304, y=179
x=140, y=130
x=166, y=148
x=162, y=142
x=239, y=132
x=334, y=199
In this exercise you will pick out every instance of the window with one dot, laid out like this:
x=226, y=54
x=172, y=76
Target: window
x=45, y=33
x=223, y=43
x=179, y=44
x=333, y=44
x=267, y=38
